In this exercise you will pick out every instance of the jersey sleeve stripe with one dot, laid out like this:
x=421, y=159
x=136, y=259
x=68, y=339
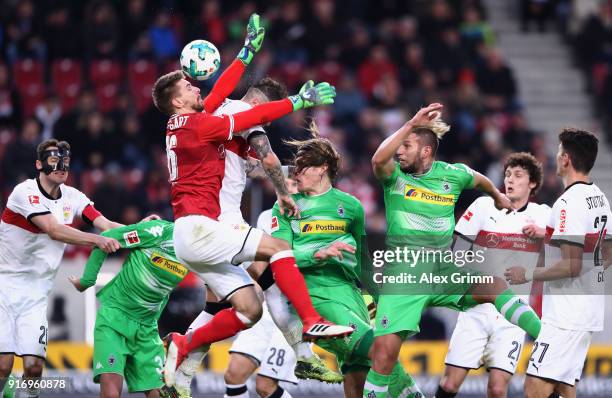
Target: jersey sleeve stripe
x=231, y=128
x=16, y=219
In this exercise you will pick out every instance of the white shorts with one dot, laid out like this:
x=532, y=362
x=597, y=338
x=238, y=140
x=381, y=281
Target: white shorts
x=24, y=323
x=485, y=338
x=559, y=354
x=214, y=250
x=265, y=344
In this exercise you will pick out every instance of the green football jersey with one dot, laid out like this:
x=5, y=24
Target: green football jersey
x=149, y=273
x=333, y=216
x=421, y=209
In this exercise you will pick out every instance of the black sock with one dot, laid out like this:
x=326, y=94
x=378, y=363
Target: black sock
x=277, y=393
x=229, y=391
x=213, y=307
x=441, y=393
x=266, y=279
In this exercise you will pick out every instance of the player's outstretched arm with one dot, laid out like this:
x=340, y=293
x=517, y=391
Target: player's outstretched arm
x=383, y=162
x=63, y=233
x=273, y=169
x=485, y=185
x=231, y=76
x=319, y=94
x=569, y=266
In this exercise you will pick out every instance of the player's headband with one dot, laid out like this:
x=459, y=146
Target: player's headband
x=62, y=153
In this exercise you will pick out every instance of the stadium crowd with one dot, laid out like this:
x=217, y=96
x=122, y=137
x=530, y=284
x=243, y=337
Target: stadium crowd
x=82, y=71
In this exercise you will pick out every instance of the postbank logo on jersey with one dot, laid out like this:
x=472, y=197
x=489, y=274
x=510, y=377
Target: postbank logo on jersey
x=173, y=267
x=324, y=227
x=425, y=196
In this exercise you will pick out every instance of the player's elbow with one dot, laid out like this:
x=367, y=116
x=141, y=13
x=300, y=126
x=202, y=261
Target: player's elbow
x=54, y=231
x=270, y=161
x=575, y=268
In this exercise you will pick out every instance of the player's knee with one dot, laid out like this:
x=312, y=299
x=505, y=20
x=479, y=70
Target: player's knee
x=531, y=390
x=33, y=368
x=110, y=393
x=496, y=389
x=281, y=244
x=449, y=385
x=5, y=368
x=265, y=386
x=249, y=313
x=235, y=375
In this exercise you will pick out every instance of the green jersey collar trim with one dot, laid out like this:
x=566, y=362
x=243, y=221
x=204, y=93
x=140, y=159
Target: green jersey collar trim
x=320, y=194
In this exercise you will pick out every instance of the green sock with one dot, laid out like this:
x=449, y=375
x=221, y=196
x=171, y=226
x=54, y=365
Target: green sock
x=401, y=384
x=518, y=313
x=376, y=385
x=9, y=388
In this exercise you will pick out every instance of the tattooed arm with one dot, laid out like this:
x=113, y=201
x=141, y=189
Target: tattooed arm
x=254, y=168
x=273, y=169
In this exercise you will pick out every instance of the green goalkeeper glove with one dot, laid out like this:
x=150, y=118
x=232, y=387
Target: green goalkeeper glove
x=312, y=95
x=253, y=40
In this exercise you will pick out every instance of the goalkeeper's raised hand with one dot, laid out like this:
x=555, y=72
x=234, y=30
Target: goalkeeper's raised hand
x=312, y=95
x=253, y=40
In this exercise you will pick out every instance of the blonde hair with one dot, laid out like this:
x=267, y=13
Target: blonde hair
x=437, y=126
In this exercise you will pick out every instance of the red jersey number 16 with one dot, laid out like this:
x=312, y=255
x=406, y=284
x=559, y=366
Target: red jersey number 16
x=172, y=161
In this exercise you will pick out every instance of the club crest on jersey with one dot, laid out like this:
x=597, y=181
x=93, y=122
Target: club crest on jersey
x=562, y=220
x=384, y=322
x=340, y=211
x=111, y=360
x=34, y=199
x=274, y=224
x=67, y=211
x=371, y=394
x=468, y=215
x=324, y=227
x=131, y=238
x=446, y=186
x=424, y=196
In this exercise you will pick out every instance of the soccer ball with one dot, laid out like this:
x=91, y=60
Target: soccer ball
x=200, y=59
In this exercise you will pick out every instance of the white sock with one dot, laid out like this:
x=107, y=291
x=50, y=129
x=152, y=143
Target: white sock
x=288, y=322
x=236, y=391
x=191, y=364
x=303, y=350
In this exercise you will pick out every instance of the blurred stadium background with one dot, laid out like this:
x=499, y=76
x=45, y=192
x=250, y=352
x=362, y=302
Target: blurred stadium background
x=510, y=73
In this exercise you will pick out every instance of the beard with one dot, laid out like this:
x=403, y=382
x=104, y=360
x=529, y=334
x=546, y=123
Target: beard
x=410, y=168
x=199, y=106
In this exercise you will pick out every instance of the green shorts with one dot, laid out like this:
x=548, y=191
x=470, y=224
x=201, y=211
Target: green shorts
x=399, y=311
x=129, y=348
x=344, y=305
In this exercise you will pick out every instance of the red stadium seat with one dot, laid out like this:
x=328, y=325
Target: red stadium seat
x=31, y=95
x=105, y=72
x=171, y=66
x=141, y=76
x=107, y=96
x=90, y=179
x=330, y=71
x=67, y=80
x=27, y=71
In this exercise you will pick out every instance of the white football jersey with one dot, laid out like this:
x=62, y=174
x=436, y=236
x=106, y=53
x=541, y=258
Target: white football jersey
x=580, y=217
x=499, y=233
x=264, y=221
x=236, y=154
x=29, y=258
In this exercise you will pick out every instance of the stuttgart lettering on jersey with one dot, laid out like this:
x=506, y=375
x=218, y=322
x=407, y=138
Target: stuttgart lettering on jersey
x=595, y=201
x=324, y=227
x=424, y=196
x=168, y=265
x=177, y=122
